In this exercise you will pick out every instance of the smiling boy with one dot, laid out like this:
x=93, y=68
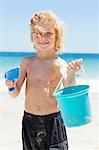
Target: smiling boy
x=42, y=124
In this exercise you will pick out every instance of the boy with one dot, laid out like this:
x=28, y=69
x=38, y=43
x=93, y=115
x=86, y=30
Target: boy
x=42, y=124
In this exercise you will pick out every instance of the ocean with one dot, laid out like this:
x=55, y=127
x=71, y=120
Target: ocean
x=9, y=60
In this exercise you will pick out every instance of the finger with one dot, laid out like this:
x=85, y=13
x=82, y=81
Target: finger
x=69, y=68
x=78, y=64
x=10, y=83
x=72, y=65
x=7, y=82
x=14, y=81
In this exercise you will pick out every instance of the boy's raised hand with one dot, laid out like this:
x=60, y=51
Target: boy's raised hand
x=74, y=66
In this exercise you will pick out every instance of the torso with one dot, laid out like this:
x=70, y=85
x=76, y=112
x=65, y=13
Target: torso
x=42, y=79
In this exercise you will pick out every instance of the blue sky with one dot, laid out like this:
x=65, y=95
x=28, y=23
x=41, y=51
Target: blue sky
x=80, y=19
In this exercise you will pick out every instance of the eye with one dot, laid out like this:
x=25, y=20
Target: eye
x=49, y=33
x=36, y=33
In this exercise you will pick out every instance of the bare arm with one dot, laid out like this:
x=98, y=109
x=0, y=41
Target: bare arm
x=71, y=73
x=20, y=81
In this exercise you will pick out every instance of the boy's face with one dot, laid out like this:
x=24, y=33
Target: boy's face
x=44, y=35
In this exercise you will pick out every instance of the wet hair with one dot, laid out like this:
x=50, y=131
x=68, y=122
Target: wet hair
x=57, y=23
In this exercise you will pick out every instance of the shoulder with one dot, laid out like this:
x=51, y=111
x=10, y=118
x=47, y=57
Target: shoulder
x=60, y=62
x=26, y=60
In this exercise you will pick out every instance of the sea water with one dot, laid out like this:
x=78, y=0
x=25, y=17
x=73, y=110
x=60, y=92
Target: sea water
x=9, y=60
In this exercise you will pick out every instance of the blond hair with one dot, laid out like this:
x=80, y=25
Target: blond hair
x=56, y=22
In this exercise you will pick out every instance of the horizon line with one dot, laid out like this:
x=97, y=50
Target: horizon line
x=59, y=53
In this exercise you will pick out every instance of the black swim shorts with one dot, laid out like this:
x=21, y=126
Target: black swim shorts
x=45, y=132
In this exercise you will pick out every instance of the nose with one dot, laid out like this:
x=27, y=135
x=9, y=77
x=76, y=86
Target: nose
x=43, y=38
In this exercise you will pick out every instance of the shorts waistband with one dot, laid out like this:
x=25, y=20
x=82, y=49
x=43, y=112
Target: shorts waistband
x=56, y=114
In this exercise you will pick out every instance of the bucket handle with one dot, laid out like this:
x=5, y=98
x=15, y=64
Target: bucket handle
x=83, y=70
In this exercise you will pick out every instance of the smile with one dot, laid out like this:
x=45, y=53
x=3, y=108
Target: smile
x=44, y=43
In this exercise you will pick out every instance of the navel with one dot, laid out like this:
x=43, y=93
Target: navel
x=38, y=108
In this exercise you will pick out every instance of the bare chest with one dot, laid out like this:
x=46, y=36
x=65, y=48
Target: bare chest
x=43, y=72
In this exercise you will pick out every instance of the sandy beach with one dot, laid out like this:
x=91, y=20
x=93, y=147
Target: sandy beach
x=11, y=111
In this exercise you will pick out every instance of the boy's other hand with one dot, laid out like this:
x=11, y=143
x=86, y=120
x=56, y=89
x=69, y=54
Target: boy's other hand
x=74, y=66
x=10, y=84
